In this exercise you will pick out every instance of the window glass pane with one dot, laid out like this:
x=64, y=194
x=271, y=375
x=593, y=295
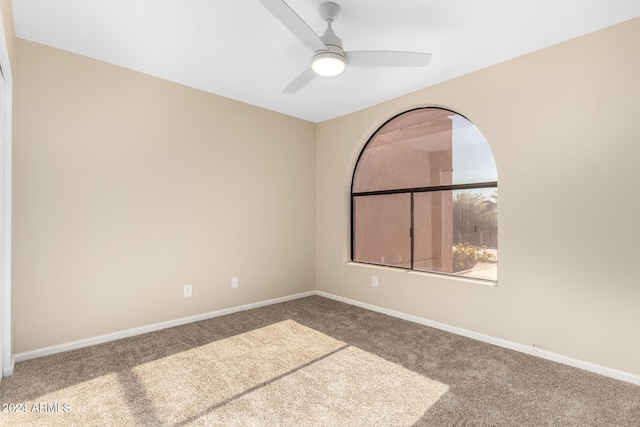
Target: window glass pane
x=412, y=150
x=425, y=148
x=475, y=233
x=381, y=229
x=457, y=232
x=433, y=231
x=472, y=157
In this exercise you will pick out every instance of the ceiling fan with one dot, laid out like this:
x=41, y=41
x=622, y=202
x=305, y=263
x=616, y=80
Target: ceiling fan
x=329, y=59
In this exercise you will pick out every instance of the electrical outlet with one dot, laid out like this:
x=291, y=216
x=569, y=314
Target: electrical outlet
x=188, y=290
x=234, y=282
x=374, y=281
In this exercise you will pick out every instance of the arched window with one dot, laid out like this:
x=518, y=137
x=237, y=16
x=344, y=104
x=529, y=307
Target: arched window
x=424, y=196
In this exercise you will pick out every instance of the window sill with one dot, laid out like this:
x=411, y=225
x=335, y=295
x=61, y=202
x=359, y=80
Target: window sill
x=427, y=274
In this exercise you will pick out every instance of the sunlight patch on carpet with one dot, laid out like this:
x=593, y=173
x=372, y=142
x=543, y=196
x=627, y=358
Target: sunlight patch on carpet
x=282, y=374
x=349, y=388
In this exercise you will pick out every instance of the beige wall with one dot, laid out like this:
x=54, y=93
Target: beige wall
x=128, y=187
x=563, y=126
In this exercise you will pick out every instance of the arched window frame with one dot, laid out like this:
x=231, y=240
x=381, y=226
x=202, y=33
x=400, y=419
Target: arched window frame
x=412, y=191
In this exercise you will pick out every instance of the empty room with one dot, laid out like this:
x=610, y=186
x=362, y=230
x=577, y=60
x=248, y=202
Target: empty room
x=285, y=213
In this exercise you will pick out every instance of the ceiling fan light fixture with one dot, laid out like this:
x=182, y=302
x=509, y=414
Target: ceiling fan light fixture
x=328, y=64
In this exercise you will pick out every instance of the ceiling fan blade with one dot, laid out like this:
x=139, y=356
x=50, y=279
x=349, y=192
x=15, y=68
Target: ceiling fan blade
x=301, y=81
x=294, y=23
x=373, y=58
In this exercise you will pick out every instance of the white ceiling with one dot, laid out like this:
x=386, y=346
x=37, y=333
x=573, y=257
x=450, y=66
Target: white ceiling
x=237, y=49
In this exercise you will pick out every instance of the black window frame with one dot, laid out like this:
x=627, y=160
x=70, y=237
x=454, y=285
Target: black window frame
x=411, y=191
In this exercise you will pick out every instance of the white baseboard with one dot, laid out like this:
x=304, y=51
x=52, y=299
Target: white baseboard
x=587, y=366
x=150, y=328
x=533, y=351
x=8, y=370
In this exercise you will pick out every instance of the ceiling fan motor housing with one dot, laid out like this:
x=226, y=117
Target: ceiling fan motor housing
x=332, y=42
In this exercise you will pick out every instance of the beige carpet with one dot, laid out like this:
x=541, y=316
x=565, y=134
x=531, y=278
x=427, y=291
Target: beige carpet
x=311, y=362
x=284, y=374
